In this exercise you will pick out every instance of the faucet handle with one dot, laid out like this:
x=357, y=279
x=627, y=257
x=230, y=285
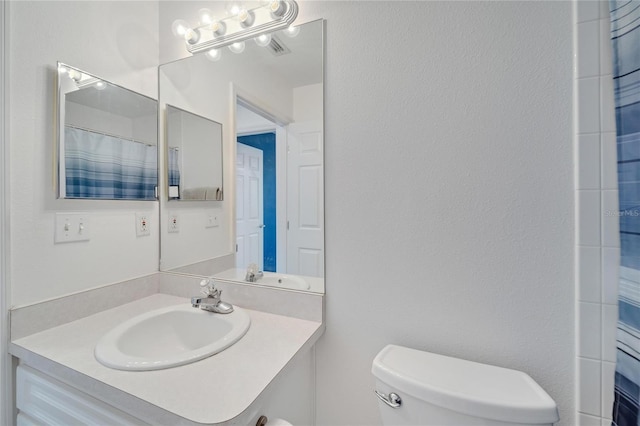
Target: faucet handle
x=207, y=287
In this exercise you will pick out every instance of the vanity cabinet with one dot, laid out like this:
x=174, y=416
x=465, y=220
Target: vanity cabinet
x=42, y=399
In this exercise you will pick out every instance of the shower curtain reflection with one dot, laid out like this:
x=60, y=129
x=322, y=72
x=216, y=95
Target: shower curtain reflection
x=108, y=167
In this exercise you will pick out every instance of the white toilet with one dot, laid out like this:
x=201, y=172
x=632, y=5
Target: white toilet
x=421, y=388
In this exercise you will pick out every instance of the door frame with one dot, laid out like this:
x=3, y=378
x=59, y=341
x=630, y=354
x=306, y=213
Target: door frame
x=239, y=96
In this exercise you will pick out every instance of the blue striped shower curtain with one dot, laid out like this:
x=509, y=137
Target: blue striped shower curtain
x=106, y=167
x=625, y=41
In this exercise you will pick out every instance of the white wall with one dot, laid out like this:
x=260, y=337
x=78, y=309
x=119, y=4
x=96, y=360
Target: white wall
x=187, y=87
x=307, y=103
x=448, y=192
x=201, y=152
x=98, y=120
x=597, y=233
x=117, y=41
x=6, y=385
x=145, y=129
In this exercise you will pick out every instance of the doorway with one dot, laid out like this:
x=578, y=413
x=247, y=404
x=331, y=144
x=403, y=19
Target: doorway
x=285, y=234
x=257, y=193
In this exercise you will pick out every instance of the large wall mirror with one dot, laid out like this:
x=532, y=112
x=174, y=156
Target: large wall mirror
x=107, y=139
x=269, y=102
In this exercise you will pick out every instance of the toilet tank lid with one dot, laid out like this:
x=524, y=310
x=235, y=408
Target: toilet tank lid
x=466, y=387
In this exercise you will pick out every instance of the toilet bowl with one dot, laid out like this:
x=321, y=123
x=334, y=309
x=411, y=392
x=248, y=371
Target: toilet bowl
x=422, y=388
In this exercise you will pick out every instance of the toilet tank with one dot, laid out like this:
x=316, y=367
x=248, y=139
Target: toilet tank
x=440, y=390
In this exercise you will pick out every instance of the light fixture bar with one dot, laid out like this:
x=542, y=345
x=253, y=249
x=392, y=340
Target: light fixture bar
x=263, y=22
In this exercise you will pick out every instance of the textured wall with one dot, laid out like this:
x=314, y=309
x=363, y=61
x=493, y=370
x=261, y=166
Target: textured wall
x=449, y=202
x=117, y=41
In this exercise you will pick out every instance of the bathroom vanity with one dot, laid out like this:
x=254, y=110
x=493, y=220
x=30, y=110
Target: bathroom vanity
x=210, y=220
x=267, y=372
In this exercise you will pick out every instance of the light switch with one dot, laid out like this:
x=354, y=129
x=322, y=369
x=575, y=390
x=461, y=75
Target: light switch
x=70, y=227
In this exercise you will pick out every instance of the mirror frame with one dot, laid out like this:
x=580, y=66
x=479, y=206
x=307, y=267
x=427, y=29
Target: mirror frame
x=59, y=127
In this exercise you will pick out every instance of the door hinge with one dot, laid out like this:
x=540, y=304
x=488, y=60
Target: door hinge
x=287, y=225
x=236, y=248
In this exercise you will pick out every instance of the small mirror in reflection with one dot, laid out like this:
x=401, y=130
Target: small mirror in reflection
x=194, y=156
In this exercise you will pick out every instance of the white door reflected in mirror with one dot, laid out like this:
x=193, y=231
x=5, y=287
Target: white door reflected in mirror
x=249, y=207
x=305, y=209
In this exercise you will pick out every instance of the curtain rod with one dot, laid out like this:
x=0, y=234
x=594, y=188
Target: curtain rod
x=107, y=134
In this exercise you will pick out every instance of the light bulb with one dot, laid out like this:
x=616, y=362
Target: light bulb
x=237, y=47
x=292, y=31
x=233, y=8
x=74, y=75
x=191, y=36
x=205, y=16
x=218, y=28
x=62, y=70
x=101, y=85
x=213, y=54
x=277, y=8
x=263, y=40
x=245, y=17
x=179, y=28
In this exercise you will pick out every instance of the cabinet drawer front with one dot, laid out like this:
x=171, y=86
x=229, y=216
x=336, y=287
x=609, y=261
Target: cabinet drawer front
x=47, y=401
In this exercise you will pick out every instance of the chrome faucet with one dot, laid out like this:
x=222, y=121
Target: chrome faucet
x=212, y=301
x=252, y=277
x=253, y=274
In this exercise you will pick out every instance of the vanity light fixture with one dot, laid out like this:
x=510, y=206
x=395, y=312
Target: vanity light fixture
x=263, y=40
x=237, y=47
x=241, y=24
x=213, y=54
x=292, y=31
x=82, y=80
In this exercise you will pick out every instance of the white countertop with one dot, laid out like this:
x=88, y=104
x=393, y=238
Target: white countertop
x=211, y=391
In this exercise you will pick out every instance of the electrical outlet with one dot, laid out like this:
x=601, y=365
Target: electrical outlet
x=174, y=223
x=211, y=220
x=72, y=227
x=143, y=227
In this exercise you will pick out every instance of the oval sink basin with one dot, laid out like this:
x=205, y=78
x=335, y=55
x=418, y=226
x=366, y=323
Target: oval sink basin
x=170, y=337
